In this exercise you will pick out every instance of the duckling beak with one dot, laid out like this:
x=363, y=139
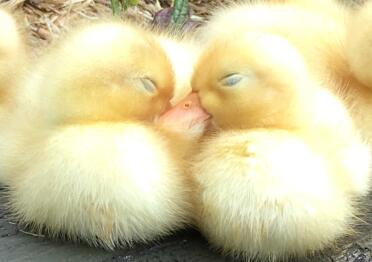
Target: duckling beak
x=186, y=114
x=192, y=102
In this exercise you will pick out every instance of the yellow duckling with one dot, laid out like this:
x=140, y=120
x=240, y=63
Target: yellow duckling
x=82, y=155
x=280, y=175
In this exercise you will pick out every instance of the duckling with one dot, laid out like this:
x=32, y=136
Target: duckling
x=89, y=152
x=358, y=44
x=280, y=174
x=183, y=52
x=11, y=57
x=330, y=36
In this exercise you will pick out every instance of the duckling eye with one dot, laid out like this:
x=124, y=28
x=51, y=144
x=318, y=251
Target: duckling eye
x=148, y=85
x=231, y=79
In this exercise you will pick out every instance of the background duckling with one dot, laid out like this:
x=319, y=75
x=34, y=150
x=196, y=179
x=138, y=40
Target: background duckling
x=358, y=44
x=81, y=154
x=331, y=37
x=280, y=175
x=183, y=52
x=11, y=57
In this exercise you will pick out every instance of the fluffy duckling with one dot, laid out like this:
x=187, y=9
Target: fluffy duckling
x=332, y=38
x=82, y=156
x=358, y=44
x=281, y=174
x=183, y=52
x=11, y=57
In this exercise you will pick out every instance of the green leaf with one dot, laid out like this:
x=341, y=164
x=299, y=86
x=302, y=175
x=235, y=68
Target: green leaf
x=180, y=12
x=127, y=3
x=115, y=5
x=133, y=2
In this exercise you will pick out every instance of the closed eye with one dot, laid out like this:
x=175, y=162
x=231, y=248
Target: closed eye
x=149, y=85
x=231, y=79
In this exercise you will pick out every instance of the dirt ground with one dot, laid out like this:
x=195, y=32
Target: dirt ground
x=45, y=20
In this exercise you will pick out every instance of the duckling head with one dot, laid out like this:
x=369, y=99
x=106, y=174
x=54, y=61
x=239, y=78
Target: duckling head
x=107, y=72
x=251, y=80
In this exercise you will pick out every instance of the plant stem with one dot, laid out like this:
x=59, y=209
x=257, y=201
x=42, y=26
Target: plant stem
x=180, y=12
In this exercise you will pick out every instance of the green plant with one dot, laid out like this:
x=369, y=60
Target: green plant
x=180, y=12
x=118, y=5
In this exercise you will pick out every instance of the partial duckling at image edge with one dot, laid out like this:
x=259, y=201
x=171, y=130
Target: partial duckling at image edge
x=283, y=172
x=331, y=37
x=80, y=152
x=12, y=58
